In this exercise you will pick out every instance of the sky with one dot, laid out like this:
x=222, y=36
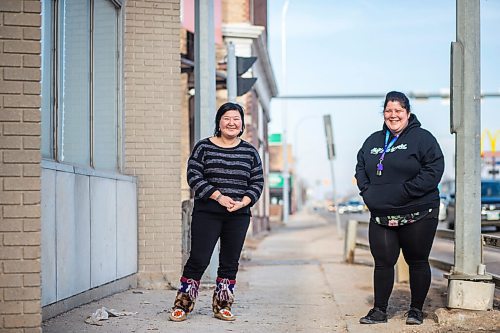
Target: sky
x=367, y=47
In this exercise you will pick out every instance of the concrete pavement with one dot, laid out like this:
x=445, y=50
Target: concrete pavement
x=295, y=281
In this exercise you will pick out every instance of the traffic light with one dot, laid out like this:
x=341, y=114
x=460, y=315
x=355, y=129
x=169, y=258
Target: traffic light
x=244, y=84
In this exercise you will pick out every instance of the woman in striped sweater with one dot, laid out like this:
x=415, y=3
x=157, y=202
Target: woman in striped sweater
x=225, y=173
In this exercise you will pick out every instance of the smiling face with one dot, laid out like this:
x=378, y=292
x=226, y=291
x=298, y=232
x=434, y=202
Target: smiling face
x=230, y=124
x=396, y=117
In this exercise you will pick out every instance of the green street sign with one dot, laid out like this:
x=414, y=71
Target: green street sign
x=276, y=180
x=275, y=138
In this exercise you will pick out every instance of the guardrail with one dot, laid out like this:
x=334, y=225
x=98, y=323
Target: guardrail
x=351, y=243
x=494, y=243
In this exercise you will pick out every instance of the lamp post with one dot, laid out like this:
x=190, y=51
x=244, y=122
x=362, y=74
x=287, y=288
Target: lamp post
x=331, y=155
x=298, y=194
x=284, y=142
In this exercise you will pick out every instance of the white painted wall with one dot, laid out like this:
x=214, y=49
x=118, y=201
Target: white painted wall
x=89, y=231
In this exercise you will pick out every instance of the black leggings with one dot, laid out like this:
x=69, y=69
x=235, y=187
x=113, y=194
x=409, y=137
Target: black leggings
x=206, y=229
x=415, y=240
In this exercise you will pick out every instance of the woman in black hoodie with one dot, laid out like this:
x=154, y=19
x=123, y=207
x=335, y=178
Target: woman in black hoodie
x=398, y=172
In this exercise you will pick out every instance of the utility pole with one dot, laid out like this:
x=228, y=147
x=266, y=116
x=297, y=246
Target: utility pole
x=204, y=69
x=466, y=285
x=284, y=139
x=231, y=78
x=331, y=155
x=204, y=98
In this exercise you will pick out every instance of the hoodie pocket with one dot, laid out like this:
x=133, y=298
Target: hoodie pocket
x=385, y=196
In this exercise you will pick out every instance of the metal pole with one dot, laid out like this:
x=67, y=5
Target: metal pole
x=466, y=290
x=467, y=118
x=204, y=72
x=335, y=201
x=231, y=79
x=330, y=147
x=284, y=141
x=411, y=95
x=204, y=69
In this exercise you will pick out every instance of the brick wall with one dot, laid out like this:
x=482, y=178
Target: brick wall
x=235, y=11
x=20, y=166
x=153, y=134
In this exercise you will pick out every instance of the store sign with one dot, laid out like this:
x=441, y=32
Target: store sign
x=276, y=180
x=492, y=140
x=275, y=138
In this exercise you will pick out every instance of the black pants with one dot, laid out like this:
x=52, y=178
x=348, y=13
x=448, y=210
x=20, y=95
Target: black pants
x=415, y=240
x=206, y=229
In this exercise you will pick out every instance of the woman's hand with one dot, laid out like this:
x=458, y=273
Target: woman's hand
x=245, y=201
x=226, y=201
x=237, y=205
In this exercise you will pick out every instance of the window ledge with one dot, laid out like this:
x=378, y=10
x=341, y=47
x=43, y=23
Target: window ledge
x=86, y=171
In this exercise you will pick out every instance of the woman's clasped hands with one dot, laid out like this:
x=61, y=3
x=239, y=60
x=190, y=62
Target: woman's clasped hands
x=230, y=204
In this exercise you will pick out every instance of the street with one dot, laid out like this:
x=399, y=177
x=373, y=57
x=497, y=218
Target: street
x=294, y=280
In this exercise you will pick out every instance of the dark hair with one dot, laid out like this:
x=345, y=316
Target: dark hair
x=223, y=109
x=396, y=96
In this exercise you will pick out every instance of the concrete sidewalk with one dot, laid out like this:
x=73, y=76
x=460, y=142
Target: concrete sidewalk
x=295, y=281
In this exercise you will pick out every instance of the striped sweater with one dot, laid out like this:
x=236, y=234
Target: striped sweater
x=235, y=172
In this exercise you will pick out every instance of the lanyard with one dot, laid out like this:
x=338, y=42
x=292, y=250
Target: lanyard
x=380, y=166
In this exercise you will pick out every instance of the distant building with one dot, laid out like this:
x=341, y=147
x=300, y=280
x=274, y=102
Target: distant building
x=276, y=180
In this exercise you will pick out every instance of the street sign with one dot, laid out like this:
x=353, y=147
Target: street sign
x=329, y=136
x=276, y=180
x=275, y=138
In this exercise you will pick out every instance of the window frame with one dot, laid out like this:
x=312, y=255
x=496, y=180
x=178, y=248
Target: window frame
x=55, y=81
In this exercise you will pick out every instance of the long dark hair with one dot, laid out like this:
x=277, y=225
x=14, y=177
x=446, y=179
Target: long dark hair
x=223, y=109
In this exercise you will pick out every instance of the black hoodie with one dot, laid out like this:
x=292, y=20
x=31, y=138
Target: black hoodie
x=413, y=167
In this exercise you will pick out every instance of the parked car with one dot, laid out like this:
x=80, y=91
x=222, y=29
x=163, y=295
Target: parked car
x=490, y=202
x=352, y=206
x=490, y=205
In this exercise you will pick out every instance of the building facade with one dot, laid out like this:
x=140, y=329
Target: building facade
x=91, y=131
x=20, y=226
x=96, y=125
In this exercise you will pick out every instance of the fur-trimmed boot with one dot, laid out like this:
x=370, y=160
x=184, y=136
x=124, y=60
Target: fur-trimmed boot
x=223, y=299
x=185, y=299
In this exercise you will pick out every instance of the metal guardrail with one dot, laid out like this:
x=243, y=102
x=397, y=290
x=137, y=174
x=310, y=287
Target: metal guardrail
x=351, y=244
x=494, y=243
x=445, y=233
x=491, y=241
x=402, y=270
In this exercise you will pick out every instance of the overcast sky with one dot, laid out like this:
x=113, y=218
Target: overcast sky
x=361, y=47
